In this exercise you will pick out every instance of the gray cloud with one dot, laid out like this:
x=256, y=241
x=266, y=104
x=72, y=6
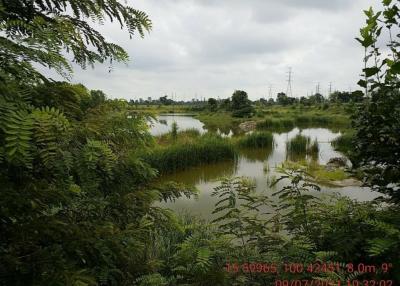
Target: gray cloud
x=213, y=47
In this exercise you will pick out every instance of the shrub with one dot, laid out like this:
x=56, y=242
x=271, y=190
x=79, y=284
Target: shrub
x=344, y=143
x=243, y=112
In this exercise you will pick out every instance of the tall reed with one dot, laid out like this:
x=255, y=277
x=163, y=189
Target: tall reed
x=257, y=140
x=205, y=149
x=174, y=131
x=276, y=124
x=300, y=146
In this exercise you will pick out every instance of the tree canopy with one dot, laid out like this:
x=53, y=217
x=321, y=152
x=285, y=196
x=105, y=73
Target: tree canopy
x=41, y=31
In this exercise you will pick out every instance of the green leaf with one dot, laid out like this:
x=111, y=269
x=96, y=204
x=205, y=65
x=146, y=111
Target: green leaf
x=371, y=71
x=386, y=2
x=395, y=68
x=362, y=83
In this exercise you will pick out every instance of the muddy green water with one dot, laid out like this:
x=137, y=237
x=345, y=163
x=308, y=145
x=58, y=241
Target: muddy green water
x=256, y=164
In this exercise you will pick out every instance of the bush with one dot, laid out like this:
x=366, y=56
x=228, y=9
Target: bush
x=244, y=112
x=344, y=143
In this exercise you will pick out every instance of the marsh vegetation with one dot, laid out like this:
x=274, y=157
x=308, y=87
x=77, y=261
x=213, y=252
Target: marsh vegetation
x=95, y=193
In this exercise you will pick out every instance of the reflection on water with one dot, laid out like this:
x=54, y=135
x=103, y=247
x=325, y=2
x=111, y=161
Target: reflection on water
x=164, y=123
x=257, y=164
x=257, y=154
x=203, y=174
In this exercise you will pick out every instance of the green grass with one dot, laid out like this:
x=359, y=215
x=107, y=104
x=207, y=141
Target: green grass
x=222, y=121
x=317, y=172
x=280, y=118
x=320, y=120
x=256, y=140
x=285, y=118
x=205, y=149
x=184, y=136
x=276, y=124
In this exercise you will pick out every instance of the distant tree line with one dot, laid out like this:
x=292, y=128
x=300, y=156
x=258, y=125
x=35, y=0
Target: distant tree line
x=241, y=106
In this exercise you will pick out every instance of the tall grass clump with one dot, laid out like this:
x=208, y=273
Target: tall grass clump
x=180, y=156
x=300, y=146
x=174, y=131
x=257, y=140
x=276, y=124
x=344, y=143
x=313, y=149
x=191, y=132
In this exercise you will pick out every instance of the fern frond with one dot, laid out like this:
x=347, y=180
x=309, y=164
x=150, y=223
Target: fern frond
x=17, y=128
x=50, y=128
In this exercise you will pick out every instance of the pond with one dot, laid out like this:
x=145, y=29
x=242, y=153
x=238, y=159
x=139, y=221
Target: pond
x=164, y=123
x=260, y=165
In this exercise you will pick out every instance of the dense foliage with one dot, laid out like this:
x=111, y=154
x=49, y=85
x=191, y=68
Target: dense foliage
x=76, y=204
x=38, y=31
x=77, y=173
x=378, y=119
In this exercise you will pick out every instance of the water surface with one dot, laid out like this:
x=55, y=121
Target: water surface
x=164, y=122
x=260, y=165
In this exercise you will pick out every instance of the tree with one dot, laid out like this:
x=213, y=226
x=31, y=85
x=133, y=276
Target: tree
x=164, y=100
x=226, y=104
x=316, y=98
x=241, y=105
x=283, y=99
x=38, y=31
x=213, y=104
x=377, y=121
x=304, y=101
x=357, y=96
x=69, y=158
x=239, y=99
x=271, y=101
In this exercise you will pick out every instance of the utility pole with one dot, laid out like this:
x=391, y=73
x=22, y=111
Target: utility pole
x=270, y=92
x=330, y=88
x=317, y=88
x=289, y=91
x=173, y=103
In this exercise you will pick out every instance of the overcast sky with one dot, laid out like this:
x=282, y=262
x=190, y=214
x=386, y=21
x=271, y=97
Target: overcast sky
x=211, y=48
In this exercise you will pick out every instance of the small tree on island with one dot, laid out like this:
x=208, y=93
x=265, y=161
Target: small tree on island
x=241, y=105
x=212, y=104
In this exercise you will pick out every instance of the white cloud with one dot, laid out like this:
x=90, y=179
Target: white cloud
x=214, y=47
